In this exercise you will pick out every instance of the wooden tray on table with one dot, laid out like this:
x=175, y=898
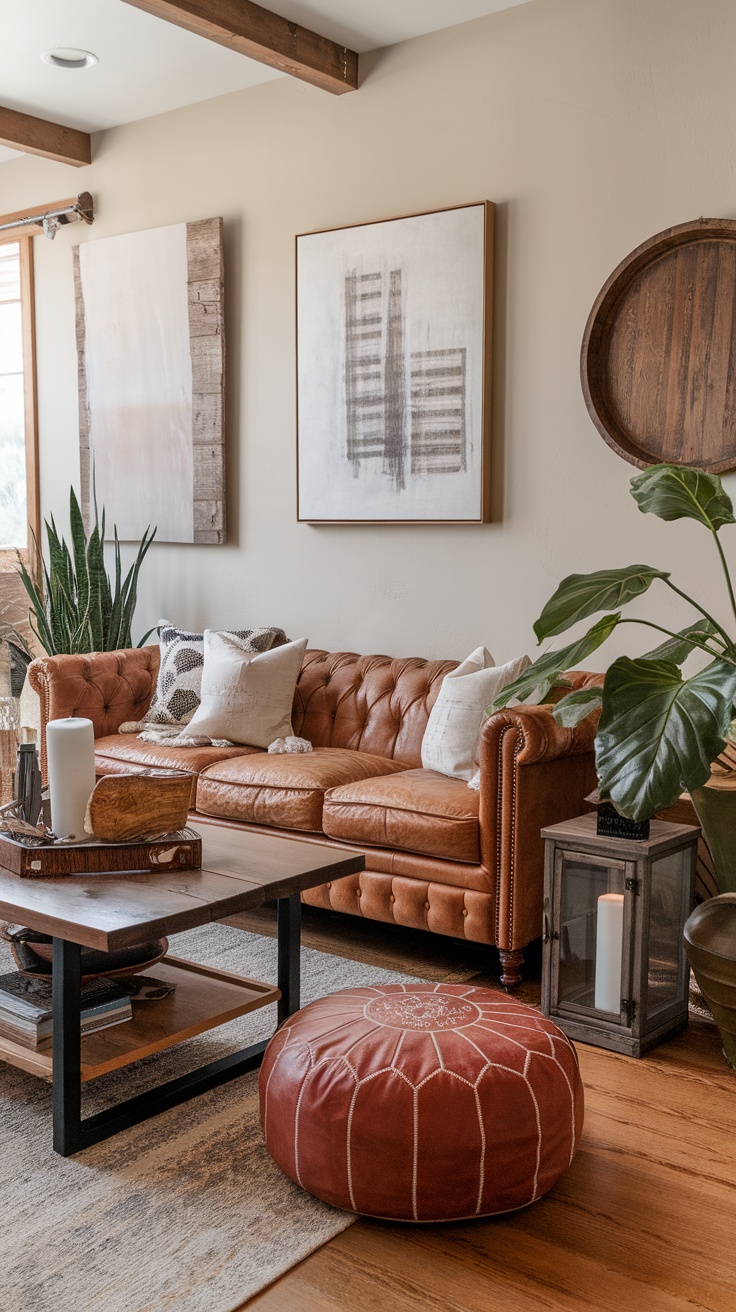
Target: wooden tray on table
x=179, y=851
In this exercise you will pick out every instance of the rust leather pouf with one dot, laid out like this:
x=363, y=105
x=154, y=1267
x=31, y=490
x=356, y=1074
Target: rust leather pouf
x=421, y=1102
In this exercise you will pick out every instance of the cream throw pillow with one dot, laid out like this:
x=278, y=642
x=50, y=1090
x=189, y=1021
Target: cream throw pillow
x=246, y=698
x=450, y=743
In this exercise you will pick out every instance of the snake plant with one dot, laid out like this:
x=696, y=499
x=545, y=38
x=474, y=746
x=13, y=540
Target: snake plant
x=659, y=732
x=74, y=606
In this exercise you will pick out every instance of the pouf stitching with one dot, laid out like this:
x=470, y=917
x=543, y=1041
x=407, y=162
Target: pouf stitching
x=503, y=1021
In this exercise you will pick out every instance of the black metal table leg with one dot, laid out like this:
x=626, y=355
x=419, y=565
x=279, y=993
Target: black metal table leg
x=71, y=1133
x=289, y=926
x=66, y=1050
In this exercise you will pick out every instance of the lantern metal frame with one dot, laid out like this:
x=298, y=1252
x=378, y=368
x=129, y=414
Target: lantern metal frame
x=575, y=842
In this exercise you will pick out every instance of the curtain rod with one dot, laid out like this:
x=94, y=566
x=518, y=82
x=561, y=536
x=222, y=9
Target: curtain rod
x=50, y=219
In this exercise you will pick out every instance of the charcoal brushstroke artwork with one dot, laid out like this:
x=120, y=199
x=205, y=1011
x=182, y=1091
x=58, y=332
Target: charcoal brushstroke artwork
x=376, y=414
x=392, y=353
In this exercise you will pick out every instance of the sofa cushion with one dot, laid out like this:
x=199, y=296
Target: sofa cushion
x=284, y=791
x=417, y=810
x=126, y=754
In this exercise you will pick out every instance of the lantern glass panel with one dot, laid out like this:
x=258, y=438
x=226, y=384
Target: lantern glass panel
x=669, y=875
x=582, y=886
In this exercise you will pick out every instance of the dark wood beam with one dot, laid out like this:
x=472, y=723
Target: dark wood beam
x=36, y=136
x=260, y=34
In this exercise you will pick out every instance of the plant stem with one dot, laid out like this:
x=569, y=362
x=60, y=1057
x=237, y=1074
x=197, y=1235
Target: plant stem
x=729, y=584
x=717, y=655
x=705, y=613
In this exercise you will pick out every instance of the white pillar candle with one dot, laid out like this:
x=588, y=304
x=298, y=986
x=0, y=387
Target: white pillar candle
x=70, y=751
x=609, y=946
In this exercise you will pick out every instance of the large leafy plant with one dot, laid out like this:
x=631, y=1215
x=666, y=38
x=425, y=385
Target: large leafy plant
x=74, y=606
x=659, y=732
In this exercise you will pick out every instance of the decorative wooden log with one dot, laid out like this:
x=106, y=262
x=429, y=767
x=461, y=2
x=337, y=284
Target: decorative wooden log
x=125, y=806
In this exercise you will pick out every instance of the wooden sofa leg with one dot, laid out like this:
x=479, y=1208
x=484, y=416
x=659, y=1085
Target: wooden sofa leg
x=511, y=964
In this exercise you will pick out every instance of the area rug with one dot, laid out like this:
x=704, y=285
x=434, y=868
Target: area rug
x=185, y=1213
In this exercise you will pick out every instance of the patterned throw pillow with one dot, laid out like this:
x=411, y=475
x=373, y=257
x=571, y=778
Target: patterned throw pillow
x=179, y=685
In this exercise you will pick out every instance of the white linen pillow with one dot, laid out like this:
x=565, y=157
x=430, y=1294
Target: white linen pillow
x=246, y=698
x=450, y=743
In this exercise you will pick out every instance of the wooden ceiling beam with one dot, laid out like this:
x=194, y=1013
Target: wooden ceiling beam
x=262, y=35
x=37, y=136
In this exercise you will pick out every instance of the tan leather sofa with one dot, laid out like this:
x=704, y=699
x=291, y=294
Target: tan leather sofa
x=439, y=856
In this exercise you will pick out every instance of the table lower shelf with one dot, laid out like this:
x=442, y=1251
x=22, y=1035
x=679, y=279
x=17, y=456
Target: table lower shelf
x=203, y=998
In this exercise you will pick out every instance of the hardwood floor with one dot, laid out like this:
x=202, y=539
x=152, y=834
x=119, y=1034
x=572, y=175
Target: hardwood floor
x=643, y=1221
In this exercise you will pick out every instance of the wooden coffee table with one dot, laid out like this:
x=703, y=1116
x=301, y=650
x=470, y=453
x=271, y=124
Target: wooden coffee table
x=240, y=870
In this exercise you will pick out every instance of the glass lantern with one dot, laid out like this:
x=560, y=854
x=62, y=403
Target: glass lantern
x=614, y=968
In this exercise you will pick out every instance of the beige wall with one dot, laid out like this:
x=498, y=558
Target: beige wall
x=592, y=124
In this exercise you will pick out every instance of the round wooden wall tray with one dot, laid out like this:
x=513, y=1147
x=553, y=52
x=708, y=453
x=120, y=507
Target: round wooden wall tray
x=658, y=360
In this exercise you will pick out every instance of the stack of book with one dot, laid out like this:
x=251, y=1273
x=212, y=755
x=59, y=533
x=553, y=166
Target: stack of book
x=26, y=1015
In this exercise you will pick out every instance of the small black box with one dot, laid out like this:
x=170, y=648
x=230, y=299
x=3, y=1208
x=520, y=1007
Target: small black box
x=612, y=825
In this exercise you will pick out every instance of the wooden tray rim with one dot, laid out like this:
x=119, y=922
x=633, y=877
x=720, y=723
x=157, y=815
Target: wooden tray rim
x=614, y=288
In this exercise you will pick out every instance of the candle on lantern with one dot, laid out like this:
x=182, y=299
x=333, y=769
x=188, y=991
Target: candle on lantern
x=609, y=946
x=70, y=750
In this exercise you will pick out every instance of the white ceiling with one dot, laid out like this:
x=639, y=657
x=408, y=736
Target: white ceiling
x=148, y=66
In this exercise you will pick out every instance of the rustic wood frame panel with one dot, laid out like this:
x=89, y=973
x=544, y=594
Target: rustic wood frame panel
x=486, y=353
x=205, y=302
x=206, y=296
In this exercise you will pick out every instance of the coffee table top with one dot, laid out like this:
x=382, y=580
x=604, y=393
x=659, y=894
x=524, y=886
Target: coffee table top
x=240, y=870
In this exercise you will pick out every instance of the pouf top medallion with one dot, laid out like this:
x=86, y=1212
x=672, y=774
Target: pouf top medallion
x=421, y=1011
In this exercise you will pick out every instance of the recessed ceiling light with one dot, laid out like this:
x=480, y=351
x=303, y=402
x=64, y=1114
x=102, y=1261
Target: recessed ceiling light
x=67, y=57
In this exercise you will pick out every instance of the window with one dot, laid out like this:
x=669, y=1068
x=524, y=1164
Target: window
x=18, y=445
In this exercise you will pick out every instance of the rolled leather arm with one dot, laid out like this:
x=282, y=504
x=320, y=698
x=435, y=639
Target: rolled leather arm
x=107, y=687
x=534, y=773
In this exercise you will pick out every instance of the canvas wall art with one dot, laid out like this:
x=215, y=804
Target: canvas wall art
x=394, y=369
x=151, y=347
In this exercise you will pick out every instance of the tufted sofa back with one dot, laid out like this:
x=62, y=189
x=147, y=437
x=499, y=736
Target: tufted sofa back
x=368, y=703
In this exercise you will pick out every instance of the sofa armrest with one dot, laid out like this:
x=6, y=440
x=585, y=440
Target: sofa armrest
x=533, y=773
x=107, y=687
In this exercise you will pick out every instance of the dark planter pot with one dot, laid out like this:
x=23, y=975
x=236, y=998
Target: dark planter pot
x=710, y=944
x=715, y=805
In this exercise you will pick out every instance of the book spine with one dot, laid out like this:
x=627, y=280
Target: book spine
x=34, y=1036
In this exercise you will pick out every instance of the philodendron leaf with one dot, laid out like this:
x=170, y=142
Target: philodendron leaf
x=580, y=595
x=574, y=708
x=659, y=732
x=674, y=492
x=678, y=649
x=541, y=677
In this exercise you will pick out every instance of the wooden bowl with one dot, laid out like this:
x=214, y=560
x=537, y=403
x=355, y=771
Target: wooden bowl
x=34, y=960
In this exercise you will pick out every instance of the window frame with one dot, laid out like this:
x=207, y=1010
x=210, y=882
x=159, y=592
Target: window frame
x=8, y=558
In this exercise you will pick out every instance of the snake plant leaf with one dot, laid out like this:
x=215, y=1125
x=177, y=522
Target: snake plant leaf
x=580, y=595
x=79, y=547
x=130, y=588
x=678, y=649
x=96, y=570
x=674, y=492
x=659, y=732
x=73, y=606
x=572, y=709
x=538, y=679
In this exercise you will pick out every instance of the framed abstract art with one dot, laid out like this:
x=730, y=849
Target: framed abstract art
x=394, y=369
x=151, y=351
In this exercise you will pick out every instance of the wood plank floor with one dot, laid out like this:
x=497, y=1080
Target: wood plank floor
x=643, y=1221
